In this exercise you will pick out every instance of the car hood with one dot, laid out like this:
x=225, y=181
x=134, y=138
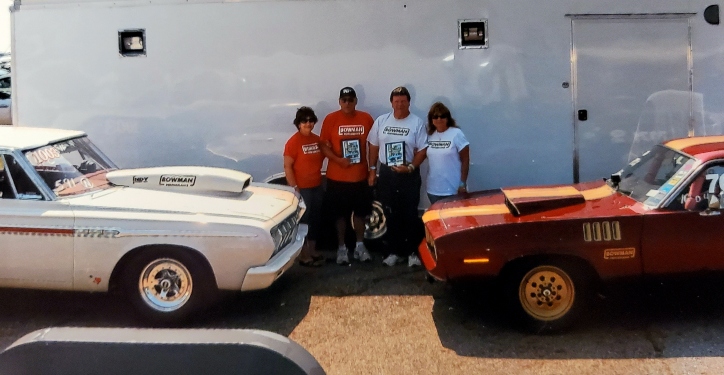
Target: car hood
x=256, y=202
x=528, y=204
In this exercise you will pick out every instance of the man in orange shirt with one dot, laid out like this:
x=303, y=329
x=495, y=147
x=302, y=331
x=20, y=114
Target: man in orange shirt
x=344, y=143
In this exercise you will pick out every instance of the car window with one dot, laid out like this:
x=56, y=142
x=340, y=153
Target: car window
x=650, y=177
x=6, y=189
x=695, y=196
x=71, y=167
x=25, y=187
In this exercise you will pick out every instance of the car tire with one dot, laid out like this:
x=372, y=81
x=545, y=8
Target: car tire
x=167, y=286
x=546, y=296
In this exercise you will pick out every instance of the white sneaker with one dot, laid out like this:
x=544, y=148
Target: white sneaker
x=342, y=257
x=361, y=253
x=413, y=260
x=391, y=260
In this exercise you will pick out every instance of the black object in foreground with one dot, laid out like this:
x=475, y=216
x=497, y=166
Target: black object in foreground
x=131, y=351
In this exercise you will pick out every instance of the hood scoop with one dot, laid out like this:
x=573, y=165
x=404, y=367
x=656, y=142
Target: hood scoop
x=526, y=201
x=193, y=180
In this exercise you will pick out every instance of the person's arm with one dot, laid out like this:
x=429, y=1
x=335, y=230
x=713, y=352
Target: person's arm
x=373, y=155
x=464, y=168
x=289, y=172
x=326, y=147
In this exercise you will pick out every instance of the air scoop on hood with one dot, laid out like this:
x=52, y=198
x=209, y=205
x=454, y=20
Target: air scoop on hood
x=525, y=201
x=182, y=179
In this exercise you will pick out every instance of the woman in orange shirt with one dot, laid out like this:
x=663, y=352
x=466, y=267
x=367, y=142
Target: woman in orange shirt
x=303, y=168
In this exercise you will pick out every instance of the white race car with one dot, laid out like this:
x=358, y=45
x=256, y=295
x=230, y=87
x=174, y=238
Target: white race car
x=170, y=237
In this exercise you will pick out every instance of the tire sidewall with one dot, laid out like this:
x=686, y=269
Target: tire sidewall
x=511, y=295
x=201, y=294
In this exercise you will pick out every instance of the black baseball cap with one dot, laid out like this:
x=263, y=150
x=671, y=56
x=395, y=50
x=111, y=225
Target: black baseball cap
x=347, y=92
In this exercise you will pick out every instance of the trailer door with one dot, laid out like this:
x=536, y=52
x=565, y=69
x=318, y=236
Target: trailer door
x=631, y=88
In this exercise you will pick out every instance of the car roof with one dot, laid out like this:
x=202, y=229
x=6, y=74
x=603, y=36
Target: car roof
x=21, y=137
x=700, y=147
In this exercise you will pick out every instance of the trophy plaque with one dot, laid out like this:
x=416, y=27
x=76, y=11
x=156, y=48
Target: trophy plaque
x=395, y=154
x=351, y=150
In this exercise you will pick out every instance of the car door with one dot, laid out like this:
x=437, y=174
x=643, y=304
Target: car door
x=36, y=232
x=686, y=236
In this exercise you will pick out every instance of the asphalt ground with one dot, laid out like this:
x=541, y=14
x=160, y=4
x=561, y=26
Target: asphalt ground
x=373, y=319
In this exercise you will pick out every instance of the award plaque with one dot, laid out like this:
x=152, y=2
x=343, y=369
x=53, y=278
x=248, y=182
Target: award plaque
x=351, y=150
x=395, y=152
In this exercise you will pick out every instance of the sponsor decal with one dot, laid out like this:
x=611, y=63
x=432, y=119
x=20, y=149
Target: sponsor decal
x=311, y=148
x=602, y=231
x=173, y=180
x=42, y=155
x=345, y=130
x=140, y=180
x=394, y=130
x=439, y=144
x=623, y=253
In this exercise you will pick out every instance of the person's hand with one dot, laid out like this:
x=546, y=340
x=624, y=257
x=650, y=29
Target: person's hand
x=400, y=169
x=372, y=178
x=344, y=162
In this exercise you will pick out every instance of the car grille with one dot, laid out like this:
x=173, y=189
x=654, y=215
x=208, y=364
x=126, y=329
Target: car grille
x=284, y=233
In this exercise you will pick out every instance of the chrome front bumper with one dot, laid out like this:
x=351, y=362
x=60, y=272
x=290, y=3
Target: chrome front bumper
x=263, y=276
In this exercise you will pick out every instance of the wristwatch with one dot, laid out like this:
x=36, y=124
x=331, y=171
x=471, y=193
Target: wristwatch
x=462, y=185
x=411, y=167
x=373, y=167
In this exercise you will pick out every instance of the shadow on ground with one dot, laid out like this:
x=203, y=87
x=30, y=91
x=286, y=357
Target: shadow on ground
x=674, y=318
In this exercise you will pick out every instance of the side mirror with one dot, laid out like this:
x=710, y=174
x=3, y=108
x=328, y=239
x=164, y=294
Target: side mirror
x=615, y=179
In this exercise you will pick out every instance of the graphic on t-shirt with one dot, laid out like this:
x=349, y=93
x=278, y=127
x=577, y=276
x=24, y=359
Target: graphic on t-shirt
x=312, y=148
x=394, y=130
x=351, y=150
x=439, y=144
x=395, y=152
x=346, y=130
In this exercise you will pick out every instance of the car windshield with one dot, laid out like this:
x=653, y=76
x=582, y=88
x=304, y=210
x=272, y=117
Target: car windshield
x=650, y=177
x=71, y=167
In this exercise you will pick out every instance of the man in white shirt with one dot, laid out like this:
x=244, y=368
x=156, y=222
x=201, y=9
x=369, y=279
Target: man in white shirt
x=399, y=142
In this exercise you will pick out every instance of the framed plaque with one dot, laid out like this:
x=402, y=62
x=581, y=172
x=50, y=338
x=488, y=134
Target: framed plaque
x=395, y=154
x=351, y=150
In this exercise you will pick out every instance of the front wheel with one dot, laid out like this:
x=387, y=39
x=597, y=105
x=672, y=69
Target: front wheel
x=547, y=296
x=167, y=286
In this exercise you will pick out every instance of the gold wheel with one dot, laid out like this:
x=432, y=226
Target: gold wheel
x=546, y=293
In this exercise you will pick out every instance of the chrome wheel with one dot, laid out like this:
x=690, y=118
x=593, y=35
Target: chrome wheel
x=546, y=293
x=165, y=285
x=376, y=224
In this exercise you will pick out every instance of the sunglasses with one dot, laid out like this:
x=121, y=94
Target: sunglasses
x=347, y=100
x=309, y=119
x=435, y=117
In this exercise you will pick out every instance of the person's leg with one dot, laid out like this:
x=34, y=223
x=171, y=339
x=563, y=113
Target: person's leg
x=362, y=204
x=340, y=209
x=387, y=195
x=317, y=197
x=412, y=225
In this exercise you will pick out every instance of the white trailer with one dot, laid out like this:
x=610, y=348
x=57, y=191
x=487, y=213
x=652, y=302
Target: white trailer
x=548, y=91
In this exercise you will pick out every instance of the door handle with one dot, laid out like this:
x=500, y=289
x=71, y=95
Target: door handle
x=582, y=115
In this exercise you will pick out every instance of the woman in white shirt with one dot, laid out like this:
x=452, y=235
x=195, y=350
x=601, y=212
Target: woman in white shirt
x=448, y=153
